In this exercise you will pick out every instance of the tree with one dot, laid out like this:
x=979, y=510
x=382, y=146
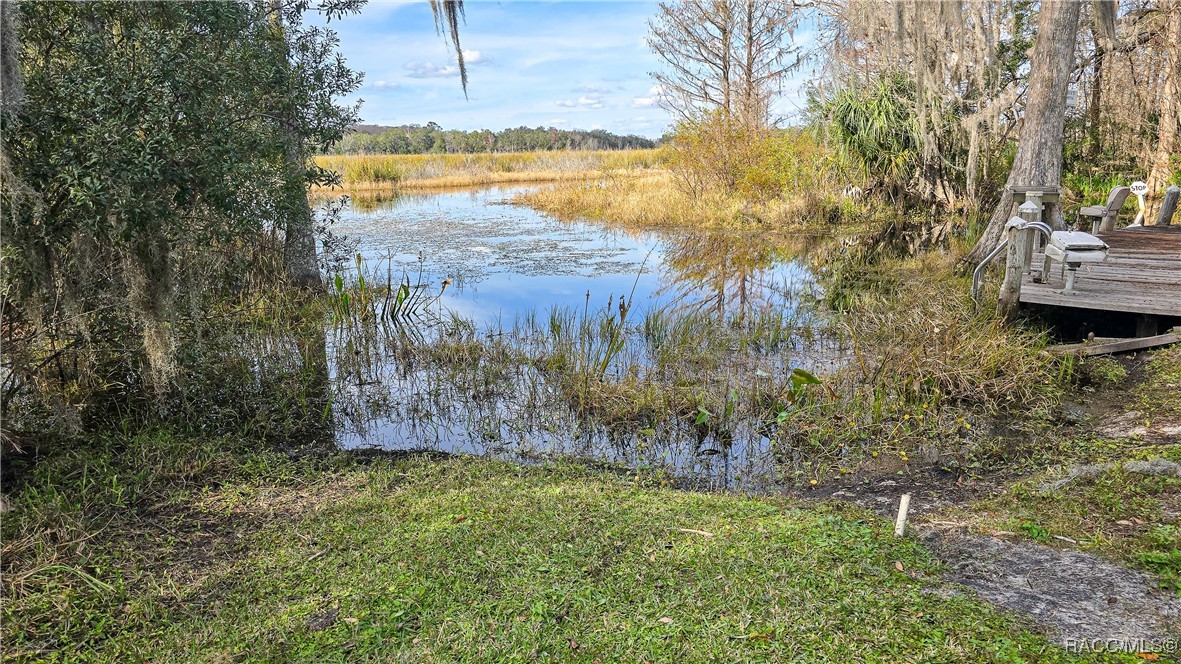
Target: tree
x=302, y=56
x=1163, y=162
x=723, y=55
x=305, y=51
x=1038, y=161
x=876, y=128
x=959, y=63
x=152, y=136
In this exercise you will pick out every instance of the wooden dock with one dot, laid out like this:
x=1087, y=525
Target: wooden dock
x=1142, y=275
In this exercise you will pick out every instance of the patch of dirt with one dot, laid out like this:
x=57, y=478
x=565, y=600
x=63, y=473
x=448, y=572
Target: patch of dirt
x=931, y=488
x=1134, y=424
x=1075, y=595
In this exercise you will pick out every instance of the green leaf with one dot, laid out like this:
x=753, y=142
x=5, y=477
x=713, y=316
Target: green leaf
x=801, y=377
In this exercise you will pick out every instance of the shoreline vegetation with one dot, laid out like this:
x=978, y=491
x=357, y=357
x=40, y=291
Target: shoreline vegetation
x=429, y=172
x=205, y=545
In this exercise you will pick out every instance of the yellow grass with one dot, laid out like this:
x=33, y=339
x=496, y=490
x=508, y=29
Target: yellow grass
x=653, y=200
x=408, y=172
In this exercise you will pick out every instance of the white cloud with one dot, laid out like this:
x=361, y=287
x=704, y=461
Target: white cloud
x=591, y=101
x=639, y=123
x=652, y=98
x=557, y=122
x=385, y=85
x=430, y=70
x=585, y=101
x=419, y=69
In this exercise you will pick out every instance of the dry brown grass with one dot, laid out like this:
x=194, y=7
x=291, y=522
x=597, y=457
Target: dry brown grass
x=417, y=172
x=459, y=180
x=653, y=199
x=650, y=200
x=918, y=336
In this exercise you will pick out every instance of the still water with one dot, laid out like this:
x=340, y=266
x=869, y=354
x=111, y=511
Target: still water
x=506, y=260
x=504, y=264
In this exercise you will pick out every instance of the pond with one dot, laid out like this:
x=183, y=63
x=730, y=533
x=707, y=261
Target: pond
x=505, y=260
x=522, y=349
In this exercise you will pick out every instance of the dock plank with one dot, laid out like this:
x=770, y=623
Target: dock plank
x=1141, y=275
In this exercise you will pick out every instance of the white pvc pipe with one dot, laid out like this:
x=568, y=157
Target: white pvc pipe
x=903, y=508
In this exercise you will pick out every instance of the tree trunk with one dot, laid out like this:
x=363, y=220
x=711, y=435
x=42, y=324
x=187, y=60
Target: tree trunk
x=751, y=117
x=1095, y=107
x=1103, y=33
x=1168, y=142
x=1039, y=153
x=299, y=245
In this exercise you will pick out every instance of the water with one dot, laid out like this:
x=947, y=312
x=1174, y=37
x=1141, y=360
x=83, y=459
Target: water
x=506, y=260
x=506, y=267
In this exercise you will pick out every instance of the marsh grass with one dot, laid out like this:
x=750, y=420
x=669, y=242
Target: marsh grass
x=924, y=365
x=920, y=334
x=655, y=200
x=908, y=365
x=410, y=172
x=710, y=374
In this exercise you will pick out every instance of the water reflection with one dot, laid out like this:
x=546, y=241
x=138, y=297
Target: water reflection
x=488, y=371
x=729, y=273
x=505, y=260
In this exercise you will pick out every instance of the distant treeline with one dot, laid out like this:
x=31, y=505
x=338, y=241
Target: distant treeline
x=433, y=139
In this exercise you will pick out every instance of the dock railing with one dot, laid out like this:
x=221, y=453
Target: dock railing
x=1020, y=239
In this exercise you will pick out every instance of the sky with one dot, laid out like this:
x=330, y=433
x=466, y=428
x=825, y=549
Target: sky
x=570, y=65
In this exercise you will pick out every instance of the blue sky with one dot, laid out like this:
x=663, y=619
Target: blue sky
x=571, y=65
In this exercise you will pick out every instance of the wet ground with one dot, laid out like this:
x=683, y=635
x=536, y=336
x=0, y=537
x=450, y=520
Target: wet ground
x=1085, y=602
x=1078, y=596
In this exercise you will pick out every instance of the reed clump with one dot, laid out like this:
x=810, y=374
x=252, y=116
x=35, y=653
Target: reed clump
x=648, y=201
x=704, y=374
x=655, y=199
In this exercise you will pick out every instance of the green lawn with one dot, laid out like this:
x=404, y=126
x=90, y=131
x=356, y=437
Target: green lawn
x=464, y=559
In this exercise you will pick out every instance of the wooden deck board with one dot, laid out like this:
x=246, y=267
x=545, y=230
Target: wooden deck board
x=1141, y=275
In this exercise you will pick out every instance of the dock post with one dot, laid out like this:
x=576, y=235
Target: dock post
x=1168, y=206
x=1030, y=212
x=1147, y=326
x=1015, y=262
